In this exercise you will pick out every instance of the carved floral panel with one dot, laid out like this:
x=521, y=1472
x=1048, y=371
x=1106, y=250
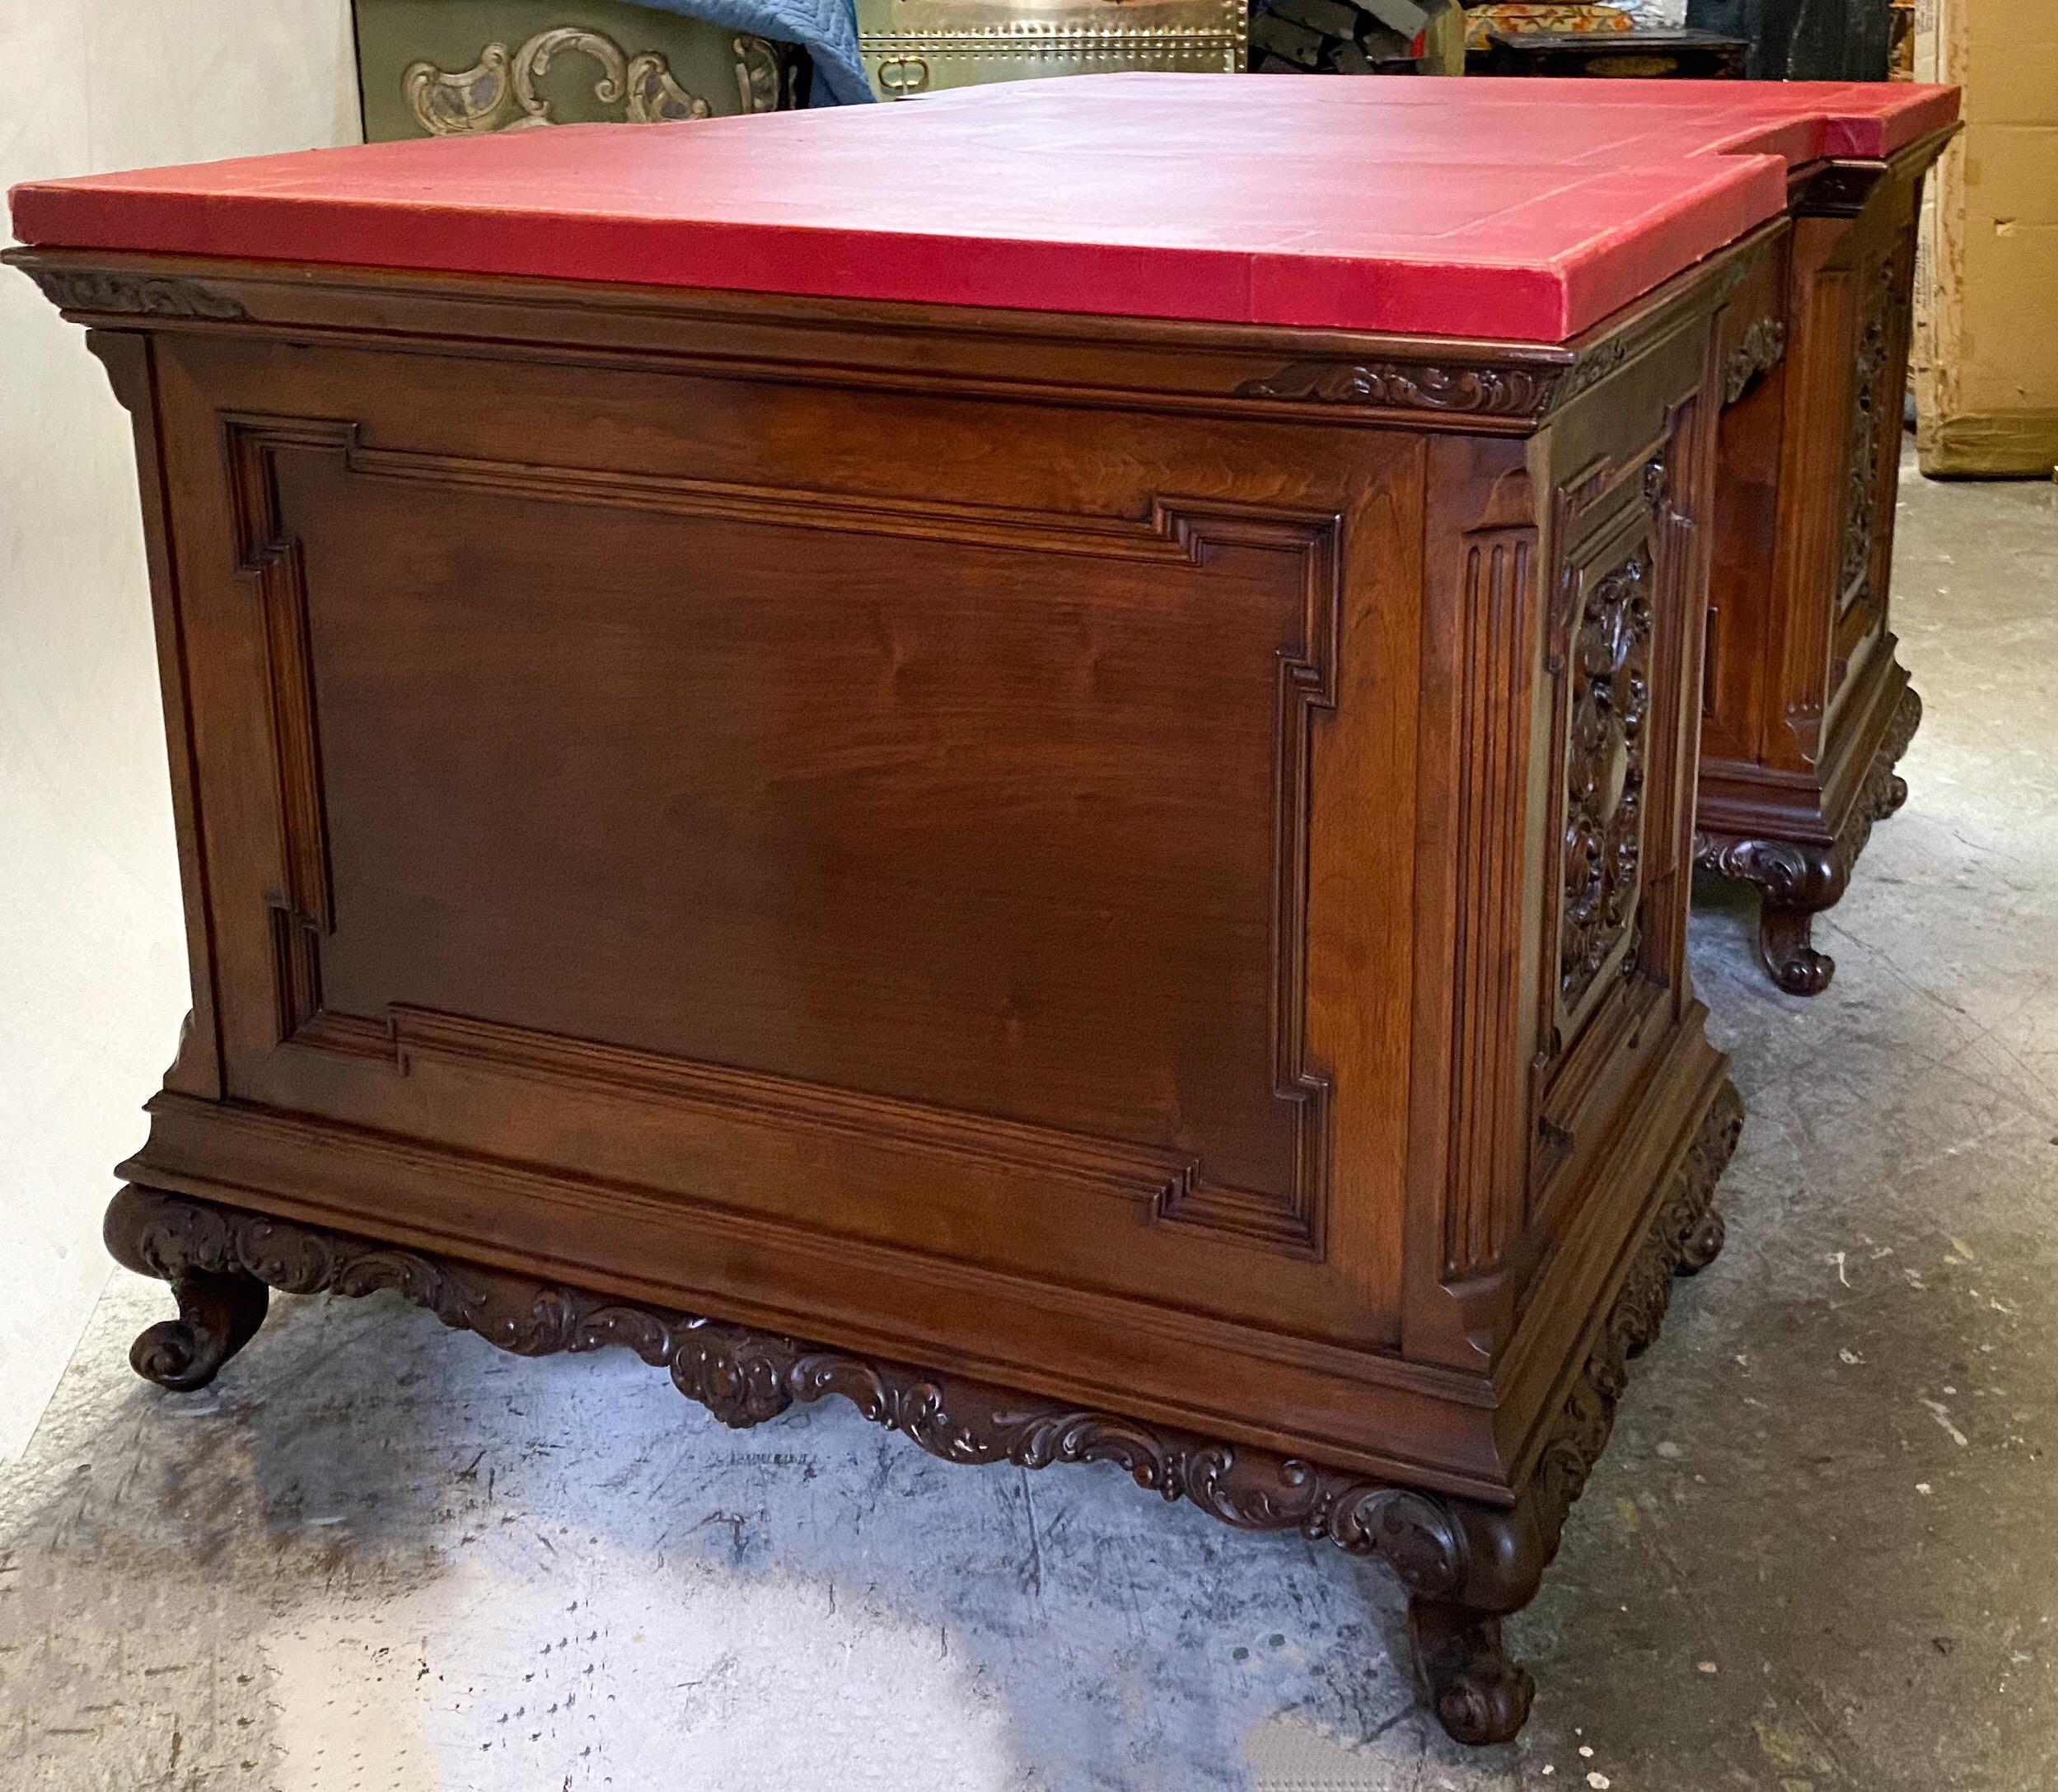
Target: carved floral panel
x=1874, y=426
x=1607, y=754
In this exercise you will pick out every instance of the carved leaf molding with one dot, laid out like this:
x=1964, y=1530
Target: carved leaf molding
x=1762, y=348
x=1496, y=392
x=1874, y=431
x=151, y=295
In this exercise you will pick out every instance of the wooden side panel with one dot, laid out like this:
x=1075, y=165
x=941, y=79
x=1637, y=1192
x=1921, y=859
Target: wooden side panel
x=1736, y=686
x=129, y=358
x=1801, y=685
x=1622, y=658
x=1879, y=370
x=1476, y=889
x=957, y=850
x=1554, y=831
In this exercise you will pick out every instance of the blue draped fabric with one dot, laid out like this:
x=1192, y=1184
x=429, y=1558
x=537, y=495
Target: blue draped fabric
x=826, y=29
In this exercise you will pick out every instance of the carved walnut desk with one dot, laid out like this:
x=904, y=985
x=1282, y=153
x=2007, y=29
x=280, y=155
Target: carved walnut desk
x=1807, y=709
x=1074, y=825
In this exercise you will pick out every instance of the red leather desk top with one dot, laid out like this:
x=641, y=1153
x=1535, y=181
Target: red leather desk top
x=1519, y=210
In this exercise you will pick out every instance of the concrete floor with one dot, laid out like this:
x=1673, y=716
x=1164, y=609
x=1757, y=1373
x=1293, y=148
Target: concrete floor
x=1820, y=1554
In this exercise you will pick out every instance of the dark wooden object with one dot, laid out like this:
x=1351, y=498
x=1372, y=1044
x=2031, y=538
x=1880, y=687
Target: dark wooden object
x=1140, y=867
x=1342, y=37
x=1807, y=708
x=1641, y=54
x=1803, y=40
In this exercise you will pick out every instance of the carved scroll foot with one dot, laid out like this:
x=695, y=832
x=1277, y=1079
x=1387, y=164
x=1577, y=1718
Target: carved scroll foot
x=217, y=1316
x=1790, y=958
x=1799, y=880
x=1464, y=1673
x=1702, y=1245
x=221, y=1305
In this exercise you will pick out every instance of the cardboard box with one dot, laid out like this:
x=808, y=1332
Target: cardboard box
x=1986, y=348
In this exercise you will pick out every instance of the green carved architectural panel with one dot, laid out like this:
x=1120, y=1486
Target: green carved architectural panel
x=444, y=67
x=918, y=46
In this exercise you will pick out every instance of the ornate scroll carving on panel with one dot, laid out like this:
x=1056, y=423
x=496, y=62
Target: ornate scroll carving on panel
x=1607, y=752
x=746, y=1378
x=1524, y=390
x=1595, y=364
x=1762, y=348
x=499, y=91
x=1874, y=426
x=1496, y=640
x=1486, y=391
x=759, y=73
x=75, y=289
x=1174, y=1184
x=1465, y=1565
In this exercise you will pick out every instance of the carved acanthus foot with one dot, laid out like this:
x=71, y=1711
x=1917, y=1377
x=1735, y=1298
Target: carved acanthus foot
x=1704, y=1244
x=1798, y=879
x=1885, y=789
x=1695, y=1221
x=1464, y=1673
x=217, y=1316
x=219, y=1309
x=1785, y=944
x=1902, y=727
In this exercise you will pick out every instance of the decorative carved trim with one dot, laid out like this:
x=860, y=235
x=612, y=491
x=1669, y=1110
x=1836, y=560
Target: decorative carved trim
x=140, y=294
x=1874, y=427
x=1497, y=638
x=744, y=1376
x=1594, y=365
x=1491, y=391
x=1761, y=349
x=1463, y=1562
x=450, y=102
x=1030, y=36
x=499, y=92
x=1812, y=875
x=303, y=911
x=1894, y=740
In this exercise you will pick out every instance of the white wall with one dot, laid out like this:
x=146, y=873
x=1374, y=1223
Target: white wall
x=93, y=958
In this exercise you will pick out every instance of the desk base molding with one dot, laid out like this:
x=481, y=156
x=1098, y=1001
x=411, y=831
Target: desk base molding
x=1465, y=1565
